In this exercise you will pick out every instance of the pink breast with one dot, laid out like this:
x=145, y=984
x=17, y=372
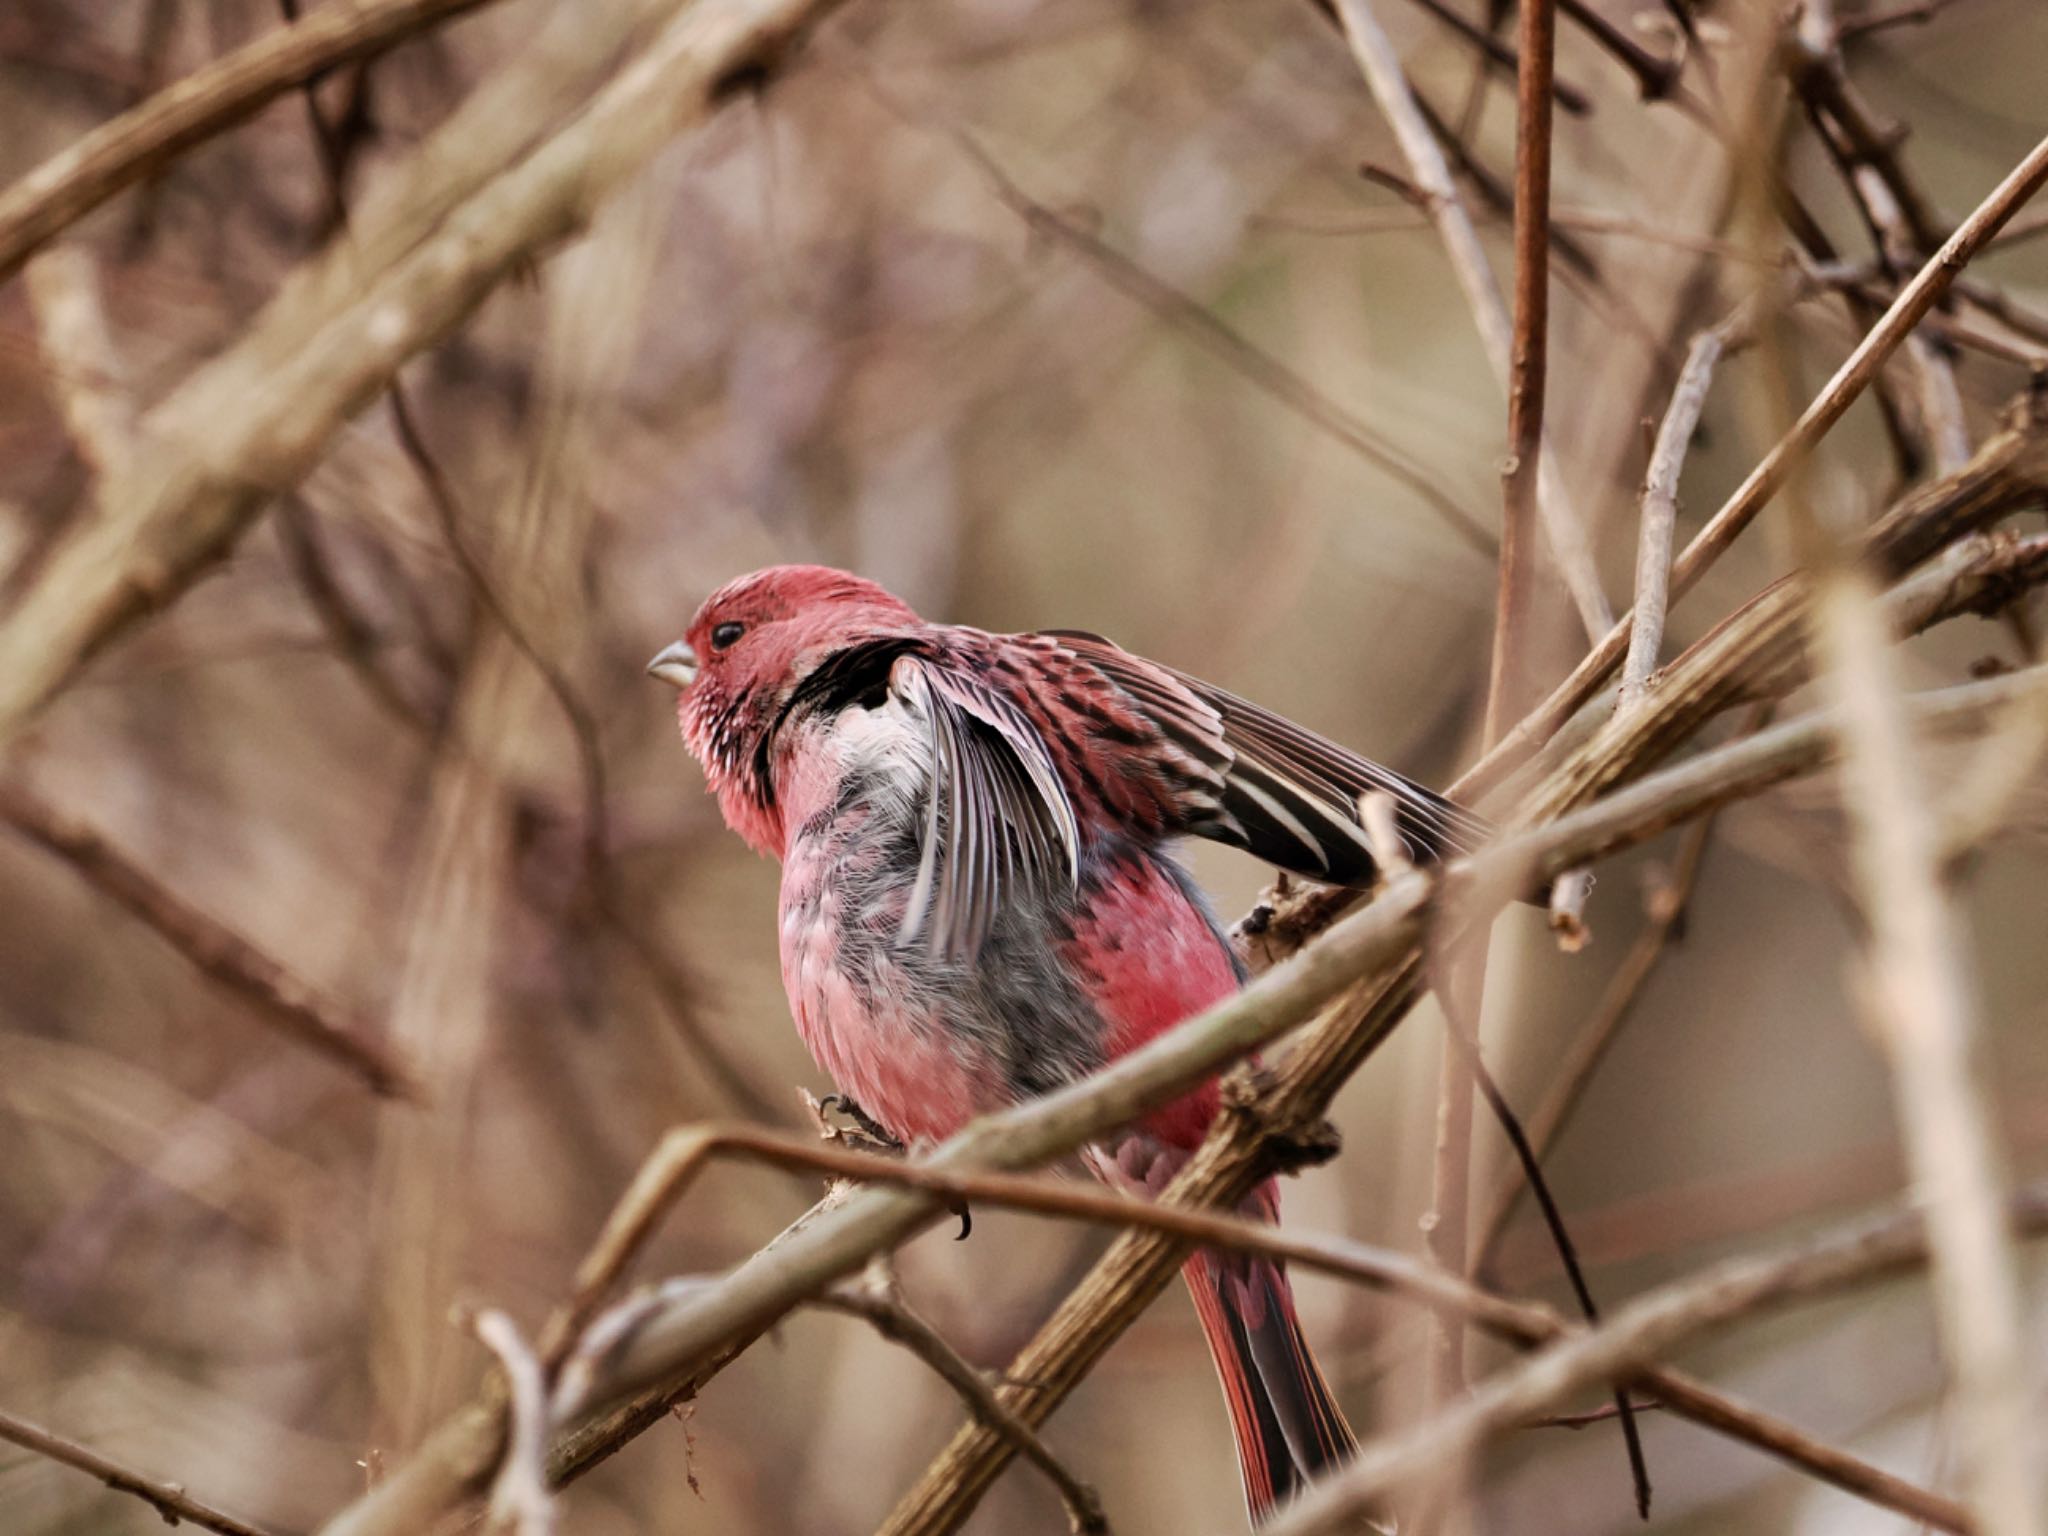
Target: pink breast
x=893, y=1056
x=1149, y=958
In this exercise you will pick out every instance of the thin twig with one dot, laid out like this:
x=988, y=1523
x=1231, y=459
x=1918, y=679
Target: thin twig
x=1659, y=518
x=1527, y=368
x=1447, y=1229
x=169, y=1500
x=1564, y=529
x=888, y=1316
x=117, y=154
x=1653, y=1324
x=1835, y=397
x=214, y=949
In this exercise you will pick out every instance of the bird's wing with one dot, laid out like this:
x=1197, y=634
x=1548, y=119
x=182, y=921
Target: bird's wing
x=1286, y=795
x=998, y=815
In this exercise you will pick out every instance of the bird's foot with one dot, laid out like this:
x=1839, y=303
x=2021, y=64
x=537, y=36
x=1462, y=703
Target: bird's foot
x=868, y=1134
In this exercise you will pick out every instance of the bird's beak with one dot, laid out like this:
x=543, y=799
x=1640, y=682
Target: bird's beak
x=676, y=666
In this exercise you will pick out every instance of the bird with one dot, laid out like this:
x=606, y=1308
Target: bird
x=980, y=900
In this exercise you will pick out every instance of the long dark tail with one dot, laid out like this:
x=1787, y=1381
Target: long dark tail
x=1288, y=1426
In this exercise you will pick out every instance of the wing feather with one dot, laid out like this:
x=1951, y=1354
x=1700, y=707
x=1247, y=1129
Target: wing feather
x=1286, y=794
x=997, y=817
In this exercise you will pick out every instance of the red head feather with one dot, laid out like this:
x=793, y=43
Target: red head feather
x=753, y=641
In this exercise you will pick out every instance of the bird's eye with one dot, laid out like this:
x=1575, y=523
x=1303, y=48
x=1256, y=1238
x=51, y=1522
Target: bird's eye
x=726, y=633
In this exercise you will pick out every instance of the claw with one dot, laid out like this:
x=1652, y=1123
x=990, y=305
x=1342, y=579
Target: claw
x=959, y=1208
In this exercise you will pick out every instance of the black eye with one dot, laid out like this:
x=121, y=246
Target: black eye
x=726, y=633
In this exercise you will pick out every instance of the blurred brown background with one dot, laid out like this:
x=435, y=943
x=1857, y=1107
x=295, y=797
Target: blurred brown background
x=825, y=329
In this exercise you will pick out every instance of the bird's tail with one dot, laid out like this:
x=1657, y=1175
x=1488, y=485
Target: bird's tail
x=1289, y=1429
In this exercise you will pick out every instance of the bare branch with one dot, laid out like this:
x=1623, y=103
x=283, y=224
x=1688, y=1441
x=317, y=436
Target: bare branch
x=1528, y=359
x=217, y=951
x=1659, y=520
x=251, y=422
x=168, y=1499
x=888, y=1316
x=1381, y=66
x=118, y=154
x=1653, y=1324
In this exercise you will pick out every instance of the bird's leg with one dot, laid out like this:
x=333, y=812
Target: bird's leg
x=870, y=1135
x=867, y=1134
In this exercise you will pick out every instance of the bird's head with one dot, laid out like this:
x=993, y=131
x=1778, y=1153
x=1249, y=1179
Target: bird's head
x=751, y=645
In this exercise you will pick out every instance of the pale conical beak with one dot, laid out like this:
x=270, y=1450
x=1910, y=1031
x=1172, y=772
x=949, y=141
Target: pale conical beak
x=676, y=666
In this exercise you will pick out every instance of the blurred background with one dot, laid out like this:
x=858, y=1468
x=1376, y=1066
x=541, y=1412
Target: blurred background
x=1043, y=313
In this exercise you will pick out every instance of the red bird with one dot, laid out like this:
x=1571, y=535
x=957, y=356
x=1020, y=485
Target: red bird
x=979, y=902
